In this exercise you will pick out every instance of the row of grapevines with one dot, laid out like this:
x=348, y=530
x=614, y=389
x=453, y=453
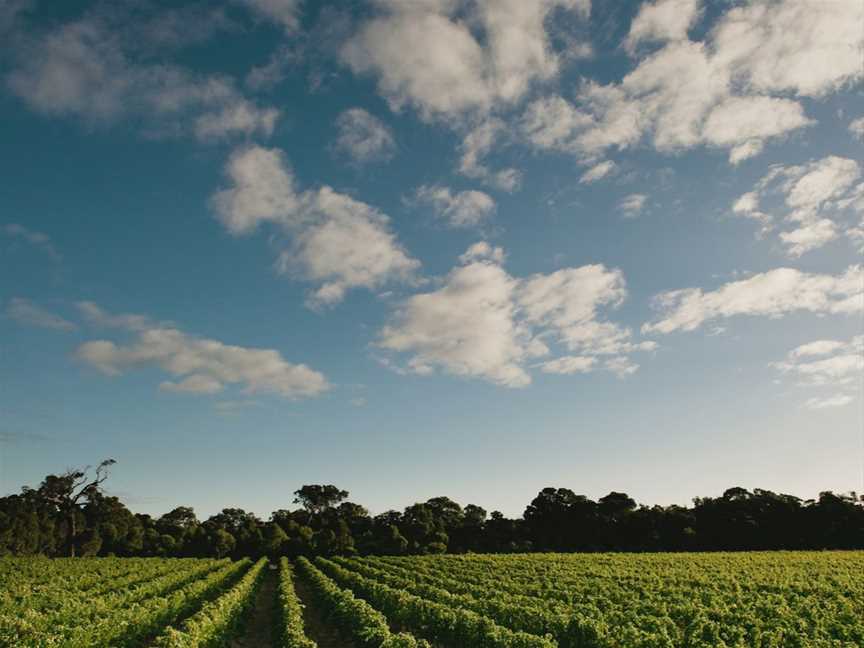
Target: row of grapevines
x=353, y=616
x=291, y=630
x=536, y=616
x=69, y=610
x=127, y=622
x=803, y=572
x=40, y=579
x=436, y=621
x=650, y=612
x=219, y=620
x=60, y=601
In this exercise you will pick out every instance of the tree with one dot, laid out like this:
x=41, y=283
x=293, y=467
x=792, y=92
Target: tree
x=316, y=498
x=69, y=493
x=275, y=541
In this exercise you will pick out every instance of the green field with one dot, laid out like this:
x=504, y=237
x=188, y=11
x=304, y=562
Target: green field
x=745, y=600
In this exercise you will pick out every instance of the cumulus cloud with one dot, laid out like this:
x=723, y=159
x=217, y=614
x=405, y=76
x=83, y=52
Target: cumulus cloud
x=773, y=294
x=742, y=124
x=462, y=209
x=453, y=57
x=663, y=20
x=482, y=250
x=809, y=237
x=25, y=312
x=335, y=241
x=720, y=92
x=826, y=362
x=363, y=137
x=856, y=127
x=476, y=146
x=832, y=364
x=285, y=13
x=200, y=365
x=820, y=200
x=484, y=323
x=90, y=68
x=598, y=172
x=797, y=46
x=38, y=240
x=632, y=205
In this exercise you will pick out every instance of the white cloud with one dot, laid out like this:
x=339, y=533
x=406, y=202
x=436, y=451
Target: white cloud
x=452, y=57
x=798, y=46
x=335, y=241
x=475, y=146
x=819, y=199
x=551, y=122
x=621, y=366
x=467, y=328
x=98, y=316
x=24, y=311
x=37, y=239
x=827, y=364
x=745, y=151
x=856, y=127
x=363, y=137
x=598, y=172
x=837, y=363
x=663, y=20
x=484, y=323
x=632, y=205
x=285, y=13
x=483, y=251
x=743, y=123
x=774, y=293
x=716, y=92
x=84, y=69
x=569, y=365
x=462, y=209
x=201, y=365
x=837, y=400
x=817, y=348
x=809, y=237
x=262, y=190
x=566, y=305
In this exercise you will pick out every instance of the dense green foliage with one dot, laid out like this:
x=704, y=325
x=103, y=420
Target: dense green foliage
x=105, y=602
x=722, y=600
x=435, y=621
x=598, y=600
x=217, y=621
x=291, y=631
x=354, y=617
x=69, y=515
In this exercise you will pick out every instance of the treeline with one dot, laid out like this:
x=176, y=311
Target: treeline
x=70, y=514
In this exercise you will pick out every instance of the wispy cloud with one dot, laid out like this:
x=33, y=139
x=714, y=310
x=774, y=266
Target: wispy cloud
x=37, y=239
x=27, y=313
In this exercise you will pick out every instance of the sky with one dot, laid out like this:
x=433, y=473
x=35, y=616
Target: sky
x=470, y=248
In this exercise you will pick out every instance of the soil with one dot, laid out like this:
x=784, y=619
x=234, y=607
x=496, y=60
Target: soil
x=260, y=628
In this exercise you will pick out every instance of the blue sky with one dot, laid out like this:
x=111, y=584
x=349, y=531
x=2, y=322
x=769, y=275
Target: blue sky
x=441, y=247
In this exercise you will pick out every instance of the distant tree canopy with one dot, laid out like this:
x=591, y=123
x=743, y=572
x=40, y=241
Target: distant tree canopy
x=71, y=515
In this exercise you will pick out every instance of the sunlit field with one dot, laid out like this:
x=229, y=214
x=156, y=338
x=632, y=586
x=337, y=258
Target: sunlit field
x=766, y=599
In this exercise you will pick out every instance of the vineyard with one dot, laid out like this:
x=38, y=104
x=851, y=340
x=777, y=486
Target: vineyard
x=778, y=599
